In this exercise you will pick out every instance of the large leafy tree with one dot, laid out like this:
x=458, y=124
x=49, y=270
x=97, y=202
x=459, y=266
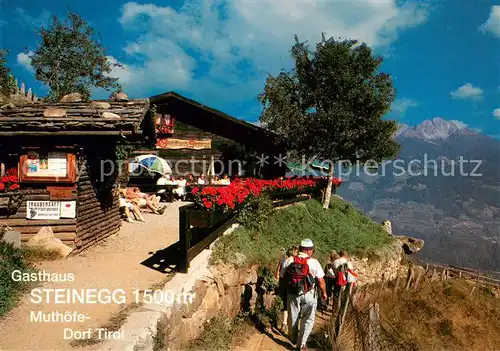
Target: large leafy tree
x=331, y=105
x=69, y=60
x=7, y=81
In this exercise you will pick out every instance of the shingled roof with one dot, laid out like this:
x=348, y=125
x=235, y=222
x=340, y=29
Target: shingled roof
x=98, y=117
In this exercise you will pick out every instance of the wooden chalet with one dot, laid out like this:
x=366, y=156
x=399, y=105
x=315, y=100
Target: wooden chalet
x=64, y=155
x=187, y=130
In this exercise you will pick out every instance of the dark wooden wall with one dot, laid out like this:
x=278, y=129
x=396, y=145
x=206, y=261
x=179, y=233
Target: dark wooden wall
x=98, y=206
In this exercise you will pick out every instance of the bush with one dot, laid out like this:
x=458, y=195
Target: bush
x=11, y=259
x=256, y=212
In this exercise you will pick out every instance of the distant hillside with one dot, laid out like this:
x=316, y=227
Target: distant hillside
x=454, y=207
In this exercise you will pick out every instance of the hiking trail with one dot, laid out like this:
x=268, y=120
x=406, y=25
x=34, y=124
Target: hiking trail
x=272, y=340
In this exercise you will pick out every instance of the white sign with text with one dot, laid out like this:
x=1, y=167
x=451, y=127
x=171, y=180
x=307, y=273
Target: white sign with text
x=43, y=210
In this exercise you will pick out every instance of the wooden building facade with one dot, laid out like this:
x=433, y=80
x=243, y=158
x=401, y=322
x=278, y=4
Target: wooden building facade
x=189, y=135
x=64, y=156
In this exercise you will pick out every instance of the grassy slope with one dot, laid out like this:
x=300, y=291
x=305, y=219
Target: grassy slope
x=442, y=315
x=340, y=227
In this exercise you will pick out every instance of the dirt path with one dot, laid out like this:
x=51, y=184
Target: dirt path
x=113, y=264
x=275, y=341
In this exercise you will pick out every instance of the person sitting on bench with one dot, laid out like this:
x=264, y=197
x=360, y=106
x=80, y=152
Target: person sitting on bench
x=129, y=206
x=180, y=191
x=144, y=200
x=202, y=180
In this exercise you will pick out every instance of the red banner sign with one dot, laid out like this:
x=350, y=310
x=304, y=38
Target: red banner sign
x=194, y=144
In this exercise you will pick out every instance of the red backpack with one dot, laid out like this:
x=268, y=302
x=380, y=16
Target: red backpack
x=297, y=276
x=341, y=276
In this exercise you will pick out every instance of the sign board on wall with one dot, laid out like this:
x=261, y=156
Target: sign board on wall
x=53, y=164
x=50, y=209
x=171, y=143
x=68, y=209
x=43, y=210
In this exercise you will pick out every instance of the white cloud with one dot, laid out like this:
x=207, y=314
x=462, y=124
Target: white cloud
x=24, y=60
x=225, y=49
x=401, y=105
x=492, y=24
x=467, y=91
x=496, y=113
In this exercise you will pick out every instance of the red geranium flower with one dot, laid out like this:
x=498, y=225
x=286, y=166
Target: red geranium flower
x=2, y=186
x=14, y=186
x=11, y=171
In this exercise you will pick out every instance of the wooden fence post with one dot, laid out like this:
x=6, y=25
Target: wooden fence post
x=184, y=240
x=374, y=328
x=396, y=286
x=417, y=281
x=410, y=278
x=343, y=306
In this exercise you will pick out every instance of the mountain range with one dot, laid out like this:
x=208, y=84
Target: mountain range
x=443, y=187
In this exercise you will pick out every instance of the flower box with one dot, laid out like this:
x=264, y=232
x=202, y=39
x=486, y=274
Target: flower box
x=206, y=219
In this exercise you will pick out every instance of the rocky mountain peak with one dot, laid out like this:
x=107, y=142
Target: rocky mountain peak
x=436, y=129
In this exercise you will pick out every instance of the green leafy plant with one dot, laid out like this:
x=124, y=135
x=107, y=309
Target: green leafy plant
x=69, y=59
x=7, y=81
x=124, y=149
x=255, y=213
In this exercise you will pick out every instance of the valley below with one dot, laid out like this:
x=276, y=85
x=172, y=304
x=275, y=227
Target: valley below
x=453, y=207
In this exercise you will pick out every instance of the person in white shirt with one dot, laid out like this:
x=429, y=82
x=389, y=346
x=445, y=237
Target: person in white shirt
x=164, y=180
x=202, y=180
x=303, y=302
x=282, y=286
x=225, y=180
x=339, y=290
x=180, y=191
x=330, y=275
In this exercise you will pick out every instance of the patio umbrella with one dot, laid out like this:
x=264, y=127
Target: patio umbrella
x=211, y=167
x=152, y=163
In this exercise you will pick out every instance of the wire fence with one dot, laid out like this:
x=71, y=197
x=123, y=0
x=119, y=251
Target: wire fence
x=365, y=329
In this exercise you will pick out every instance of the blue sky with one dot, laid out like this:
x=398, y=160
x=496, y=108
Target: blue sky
x=444, y=56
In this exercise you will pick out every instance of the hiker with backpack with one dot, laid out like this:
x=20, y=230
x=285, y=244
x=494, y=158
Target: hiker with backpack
x=303, y=276
x=282, y=286
x=345, y=277
x=330, y=276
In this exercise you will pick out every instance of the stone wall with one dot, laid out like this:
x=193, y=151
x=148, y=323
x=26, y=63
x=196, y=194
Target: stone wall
x=382, y=265
x=219, y=294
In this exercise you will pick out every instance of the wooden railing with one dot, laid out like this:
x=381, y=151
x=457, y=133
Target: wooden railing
x=192, y=240
x=448, y=271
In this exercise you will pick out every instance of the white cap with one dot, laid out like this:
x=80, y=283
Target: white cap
x=306, y=244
